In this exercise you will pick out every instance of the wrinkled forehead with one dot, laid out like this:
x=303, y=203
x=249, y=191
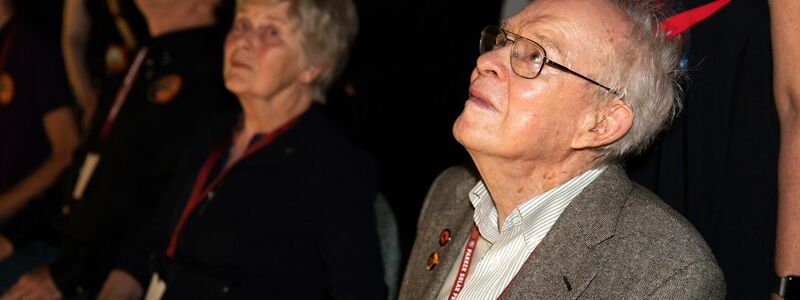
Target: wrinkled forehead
x=266, y=11
x=241, y=3
x=567, y=26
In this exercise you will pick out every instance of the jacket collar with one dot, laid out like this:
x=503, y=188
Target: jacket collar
x=564, y=264
x=310, y=128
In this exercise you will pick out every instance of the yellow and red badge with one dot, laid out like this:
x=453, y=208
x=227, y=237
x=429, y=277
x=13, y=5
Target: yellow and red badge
x=444, y=237
x=6, y=89
x=164, y=89
x=116, y=59
x=433, y=260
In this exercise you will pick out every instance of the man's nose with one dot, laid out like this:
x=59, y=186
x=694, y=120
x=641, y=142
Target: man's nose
x=495, y=63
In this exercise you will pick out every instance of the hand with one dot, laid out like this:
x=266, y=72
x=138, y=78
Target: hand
x=120, y=285
x=36, y=285
x=6, y=248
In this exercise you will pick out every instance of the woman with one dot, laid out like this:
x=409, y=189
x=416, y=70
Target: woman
x=272, y=203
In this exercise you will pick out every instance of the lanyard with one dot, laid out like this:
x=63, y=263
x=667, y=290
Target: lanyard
x=466, y=263
x=200, y=189
x=122, y=93
x=7, y=44
x=681, y=22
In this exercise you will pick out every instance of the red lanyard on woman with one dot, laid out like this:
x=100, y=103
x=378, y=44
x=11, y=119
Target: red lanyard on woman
x=200, y=189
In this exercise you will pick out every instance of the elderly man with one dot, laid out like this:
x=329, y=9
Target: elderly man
x=559, y=94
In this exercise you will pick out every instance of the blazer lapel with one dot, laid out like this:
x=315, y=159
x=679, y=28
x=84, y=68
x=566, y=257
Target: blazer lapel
x=460, y=228
x=565, y=264
x=449, y=201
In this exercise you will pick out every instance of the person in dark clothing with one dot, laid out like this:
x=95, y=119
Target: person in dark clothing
x=38, y=131
x=717, y=164
x=132, y=154
x=272, y=202
x=37, y=127
x=99, y=42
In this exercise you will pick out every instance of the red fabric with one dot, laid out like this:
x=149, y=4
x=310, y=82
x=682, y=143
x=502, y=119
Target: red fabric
x=681, y=22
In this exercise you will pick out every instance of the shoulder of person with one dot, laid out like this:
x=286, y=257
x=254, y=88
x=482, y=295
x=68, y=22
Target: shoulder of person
x=654, y=241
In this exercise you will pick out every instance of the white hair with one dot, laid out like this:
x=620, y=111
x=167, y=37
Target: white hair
x=644, y=71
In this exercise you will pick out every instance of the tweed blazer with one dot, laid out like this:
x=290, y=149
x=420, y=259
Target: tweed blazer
x=615, y=240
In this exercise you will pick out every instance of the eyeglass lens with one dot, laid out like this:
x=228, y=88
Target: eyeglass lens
x=527, y=58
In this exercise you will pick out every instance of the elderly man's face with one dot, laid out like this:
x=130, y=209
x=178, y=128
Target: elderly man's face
x=511, y=117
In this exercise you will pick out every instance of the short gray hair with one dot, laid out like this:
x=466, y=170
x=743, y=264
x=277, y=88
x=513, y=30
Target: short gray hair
x=645, y=73
x=326, y=30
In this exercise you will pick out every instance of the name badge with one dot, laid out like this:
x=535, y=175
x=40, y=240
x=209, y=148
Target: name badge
x=85, y=174
x=156, y=288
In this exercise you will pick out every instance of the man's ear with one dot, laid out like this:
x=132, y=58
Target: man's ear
x=310, y=74
x=604, y=125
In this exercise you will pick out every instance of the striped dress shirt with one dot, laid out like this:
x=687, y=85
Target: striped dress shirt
x=501, y=254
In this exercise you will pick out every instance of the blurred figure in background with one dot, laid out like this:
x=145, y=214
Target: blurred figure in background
x=718, y=163
x=271, y=202
x=99, y=41
x=37, y=126
x=38, y=132
x=175, y=85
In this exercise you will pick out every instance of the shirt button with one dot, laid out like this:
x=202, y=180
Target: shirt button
x=211, y=195
x=65, y=209
x=225, y=289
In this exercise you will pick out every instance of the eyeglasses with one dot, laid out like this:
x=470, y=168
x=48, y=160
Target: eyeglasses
x=527, y=57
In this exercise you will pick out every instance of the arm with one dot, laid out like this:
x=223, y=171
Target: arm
x=62, y=133
x=75, y=36
x=786, y=48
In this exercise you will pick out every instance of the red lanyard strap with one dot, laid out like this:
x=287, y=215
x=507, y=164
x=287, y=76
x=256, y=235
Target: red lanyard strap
x=677, y=24
x=466, y=263
x=122, y=93
x=200, y=189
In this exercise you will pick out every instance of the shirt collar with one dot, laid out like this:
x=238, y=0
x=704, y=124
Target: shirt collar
x=536, y=216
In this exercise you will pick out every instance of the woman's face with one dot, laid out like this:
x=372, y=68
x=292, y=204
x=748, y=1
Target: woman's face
x=262, y=53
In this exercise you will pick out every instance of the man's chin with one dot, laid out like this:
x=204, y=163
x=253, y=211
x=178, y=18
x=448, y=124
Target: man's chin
x=468, y=134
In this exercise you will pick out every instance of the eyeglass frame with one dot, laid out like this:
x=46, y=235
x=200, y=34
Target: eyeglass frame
x=545, y=60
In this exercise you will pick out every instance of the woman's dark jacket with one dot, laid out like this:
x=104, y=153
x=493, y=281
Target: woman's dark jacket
x=293, y=220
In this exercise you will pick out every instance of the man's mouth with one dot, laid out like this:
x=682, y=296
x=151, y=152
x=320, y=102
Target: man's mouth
x=477, y=98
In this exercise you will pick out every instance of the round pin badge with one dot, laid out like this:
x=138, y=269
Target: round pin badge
x=6, y=89
x=165, y=88
x=116, y=59
x=444, y=237
x=433, y=260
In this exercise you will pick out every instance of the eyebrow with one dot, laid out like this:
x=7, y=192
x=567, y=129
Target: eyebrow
x=539, y=38
x=548, y=42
